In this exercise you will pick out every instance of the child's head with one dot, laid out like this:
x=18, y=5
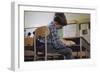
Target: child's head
x=60, y=20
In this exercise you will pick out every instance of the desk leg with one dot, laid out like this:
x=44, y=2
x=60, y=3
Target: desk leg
x=80, y=48
x=45, y=48
x=34, y=47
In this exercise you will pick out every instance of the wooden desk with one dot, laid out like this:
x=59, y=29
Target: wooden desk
x=82, y=47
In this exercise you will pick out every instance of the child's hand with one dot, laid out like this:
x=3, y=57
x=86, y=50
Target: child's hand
x=67, y=42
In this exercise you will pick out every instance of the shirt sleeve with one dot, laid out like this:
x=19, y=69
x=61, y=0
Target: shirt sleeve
x=55, y=40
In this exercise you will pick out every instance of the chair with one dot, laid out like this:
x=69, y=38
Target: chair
x=43, y=32
x=28, y=49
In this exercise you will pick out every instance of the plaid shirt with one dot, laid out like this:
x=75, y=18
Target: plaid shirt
x=54, y=38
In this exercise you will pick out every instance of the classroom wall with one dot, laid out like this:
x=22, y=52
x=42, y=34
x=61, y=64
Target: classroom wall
x=87, y=35
x=34, y=19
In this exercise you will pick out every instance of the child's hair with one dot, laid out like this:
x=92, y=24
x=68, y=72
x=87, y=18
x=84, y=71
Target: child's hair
x=60, y=18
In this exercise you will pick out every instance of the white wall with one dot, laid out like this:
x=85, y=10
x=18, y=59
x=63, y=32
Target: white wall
x=71, y=30
x=35, y=19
